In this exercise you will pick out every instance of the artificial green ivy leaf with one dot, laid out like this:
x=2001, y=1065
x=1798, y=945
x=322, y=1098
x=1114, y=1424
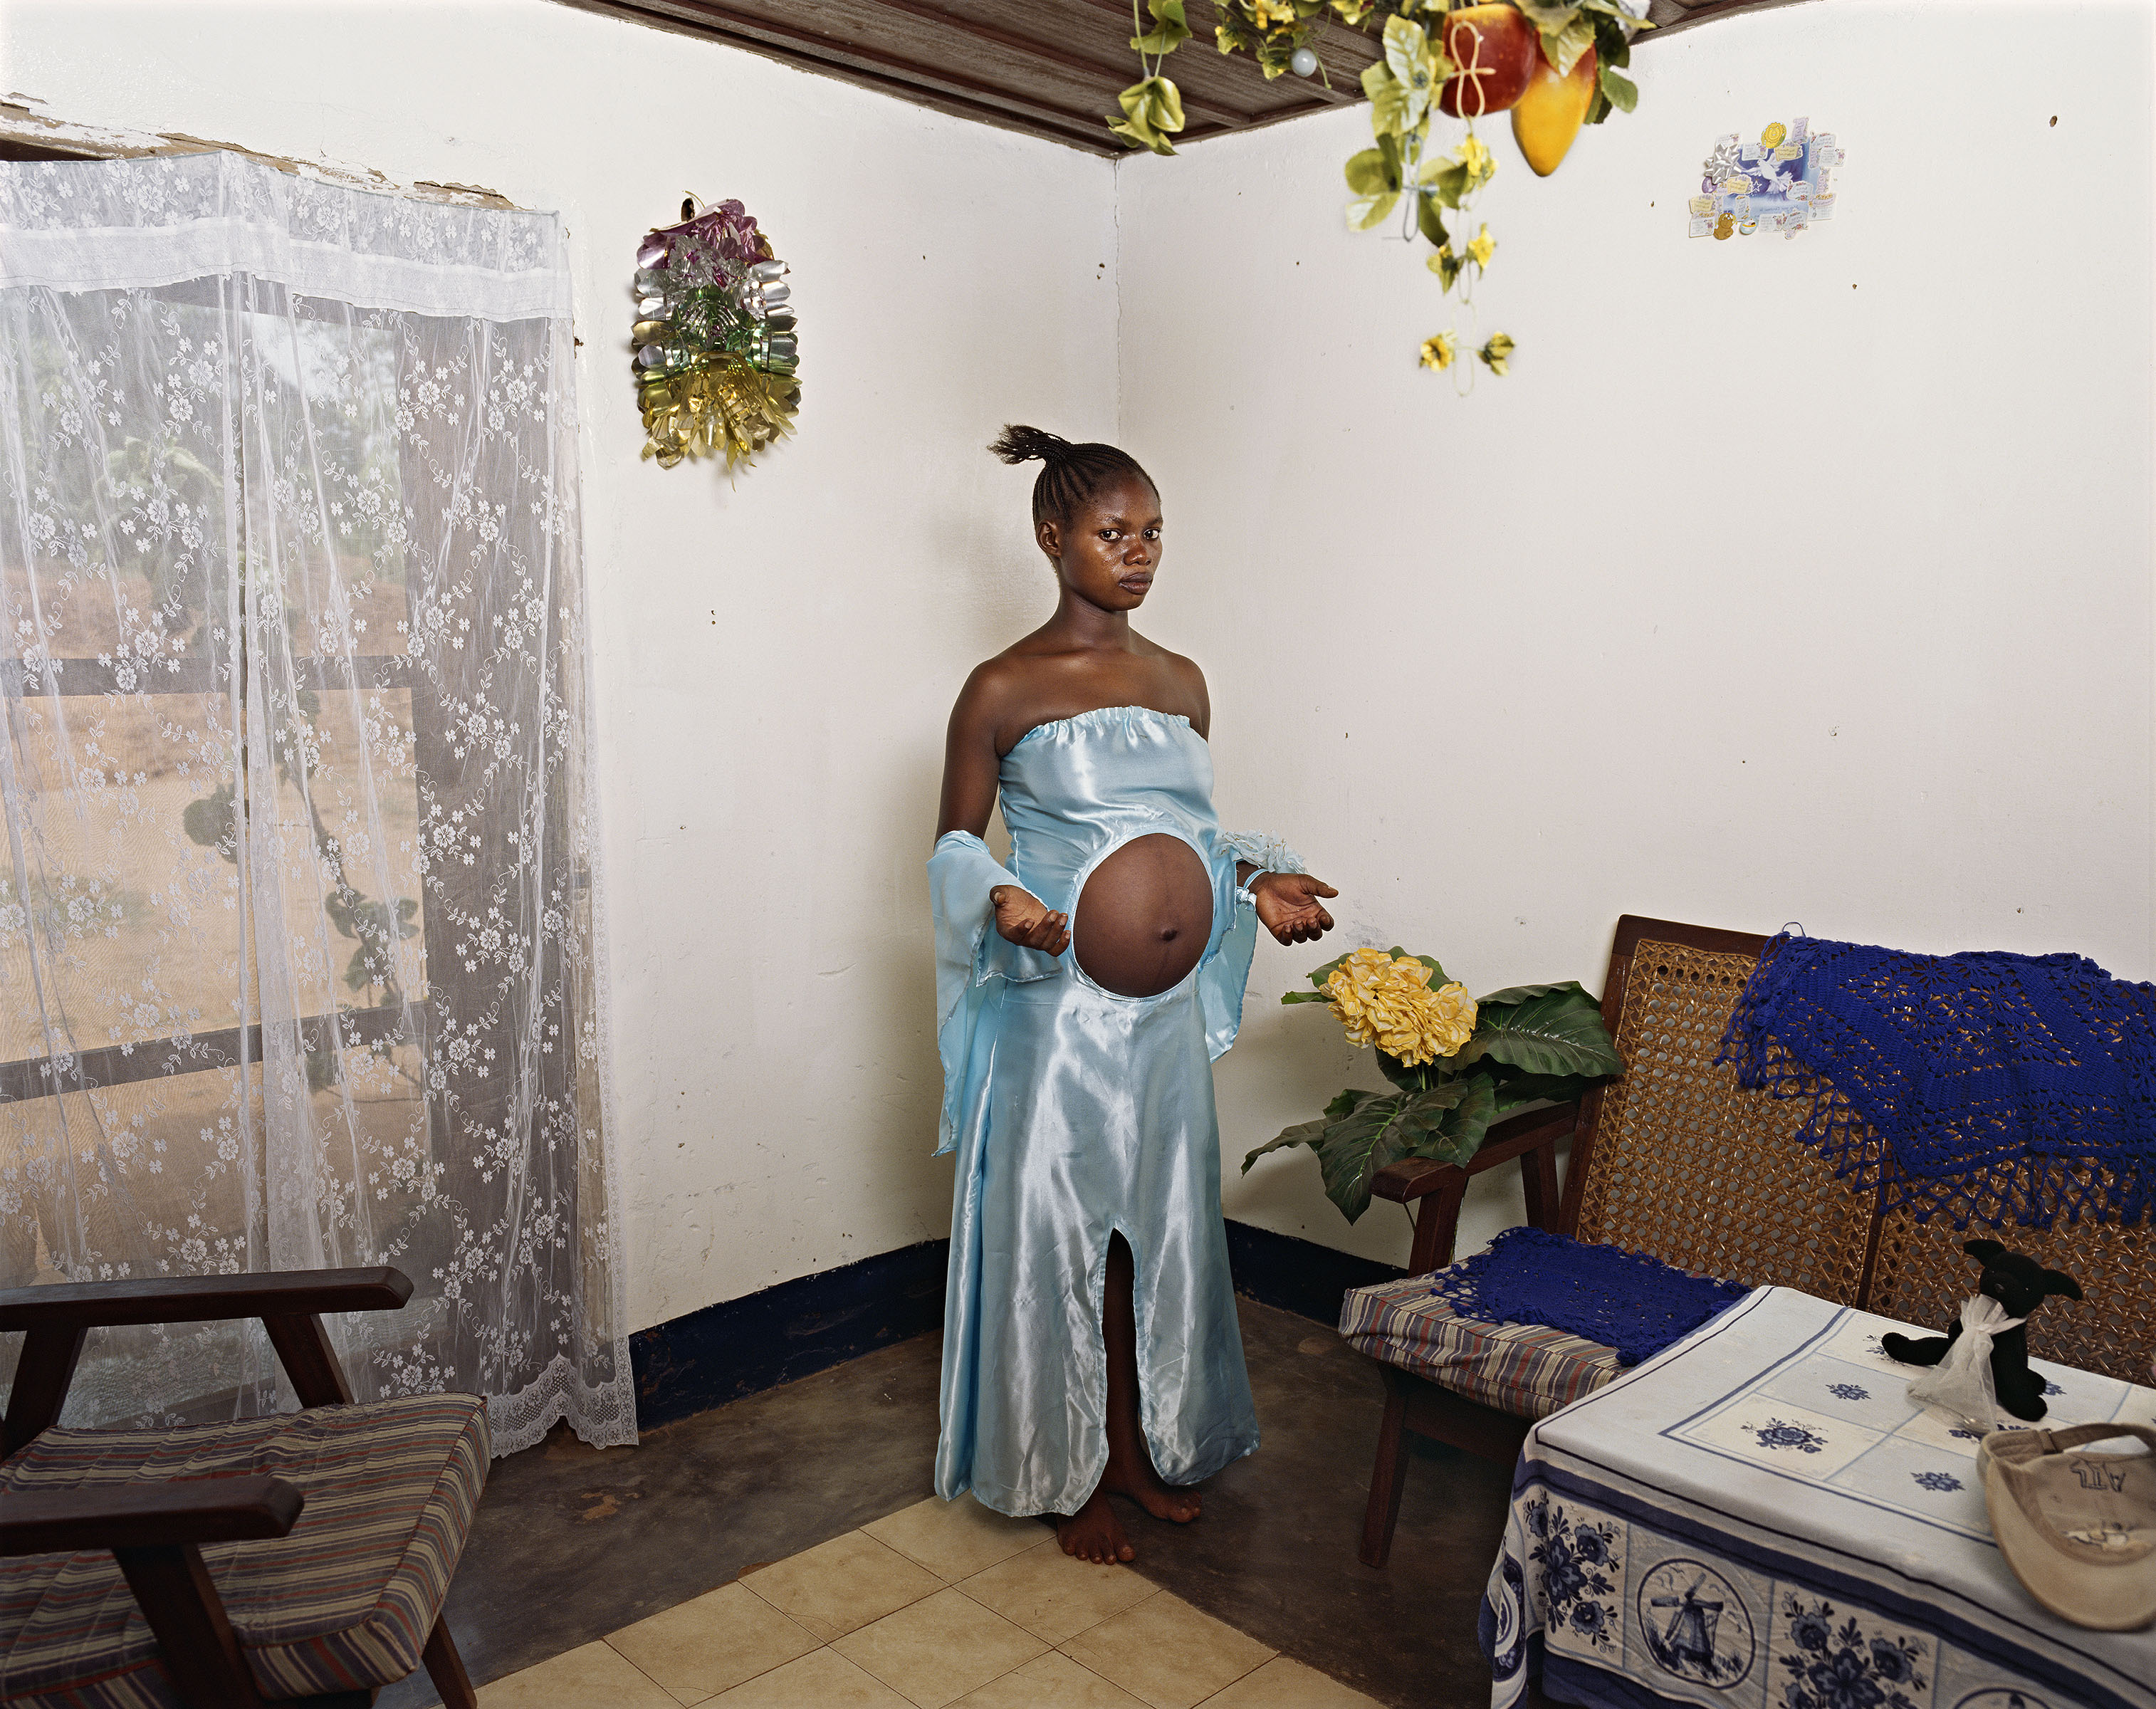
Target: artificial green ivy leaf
x=1563, y=47
x=1149, y=107
x=1390, y=105
x=1170, y=28
x=1367, y=211
x=1143, y=135
x=1623, y=93
x=1370, y=173
x=1432, y=226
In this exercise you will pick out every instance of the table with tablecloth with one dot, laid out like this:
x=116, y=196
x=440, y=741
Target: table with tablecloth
x=1759, y=1518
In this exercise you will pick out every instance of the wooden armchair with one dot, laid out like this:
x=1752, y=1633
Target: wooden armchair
x=301, y=1558
x=1674, y=1158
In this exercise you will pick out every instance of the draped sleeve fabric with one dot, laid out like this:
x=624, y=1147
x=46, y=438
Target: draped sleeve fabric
x=970, y=956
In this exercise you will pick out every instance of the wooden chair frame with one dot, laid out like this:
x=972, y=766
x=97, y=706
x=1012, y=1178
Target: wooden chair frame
x=1416, y=1404
x=157, y=1529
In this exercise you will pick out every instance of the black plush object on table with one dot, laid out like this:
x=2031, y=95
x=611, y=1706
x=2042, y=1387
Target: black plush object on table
x=2020, y=1284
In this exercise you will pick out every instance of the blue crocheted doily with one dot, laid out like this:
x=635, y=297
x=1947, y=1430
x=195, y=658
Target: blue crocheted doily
x=1628, y=1301
x=2004, y=1087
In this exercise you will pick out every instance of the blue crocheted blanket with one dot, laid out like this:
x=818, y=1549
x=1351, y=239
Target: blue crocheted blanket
x=1625, y=1299
x=2005, y=1088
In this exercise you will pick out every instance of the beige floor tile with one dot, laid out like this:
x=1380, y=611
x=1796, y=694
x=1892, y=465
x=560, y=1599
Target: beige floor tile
x=1166, y=1652
x=590, y=1677
x=1053, y=1596
x=823, y=1679
x=1053, y=1681
x=1283, y=1684
x=940, y=1648
x=955, y=1539
x=712, y=1642
x=842, y=1585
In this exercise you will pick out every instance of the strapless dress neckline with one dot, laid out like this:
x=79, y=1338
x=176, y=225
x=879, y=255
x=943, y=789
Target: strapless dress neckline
x=1099, y=714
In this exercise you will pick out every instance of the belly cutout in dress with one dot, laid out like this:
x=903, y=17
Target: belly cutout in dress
x=1144, y=916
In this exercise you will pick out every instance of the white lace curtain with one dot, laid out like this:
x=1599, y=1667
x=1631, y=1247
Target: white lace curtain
x=298, y=885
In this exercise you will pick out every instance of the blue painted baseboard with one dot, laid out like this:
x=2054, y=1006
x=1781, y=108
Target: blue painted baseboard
x=742, y=1346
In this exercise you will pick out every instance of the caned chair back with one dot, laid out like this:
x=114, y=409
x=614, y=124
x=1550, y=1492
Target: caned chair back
x=1921, y=1275
x=1675, y=1159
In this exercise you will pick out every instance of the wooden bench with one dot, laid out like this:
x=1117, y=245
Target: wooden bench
x=1674, y=1158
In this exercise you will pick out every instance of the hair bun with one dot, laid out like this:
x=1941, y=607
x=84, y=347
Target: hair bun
x=1026, y=445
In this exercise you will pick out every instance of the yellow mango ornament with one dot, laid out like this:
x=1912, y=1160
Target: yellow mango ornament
x=1549, y=115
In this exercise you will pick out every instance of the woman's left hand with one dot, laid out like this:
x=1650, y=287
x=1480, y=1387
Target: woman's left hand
x=1288, y=906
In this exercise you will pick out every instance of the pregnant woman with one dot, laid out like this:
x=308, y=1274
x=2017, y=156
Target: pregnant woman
x=1089, y=1339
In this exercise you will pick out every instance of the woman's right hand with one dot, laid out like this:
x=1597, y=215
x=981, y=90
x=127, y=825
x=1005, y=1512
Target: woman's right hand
x=1023, y=919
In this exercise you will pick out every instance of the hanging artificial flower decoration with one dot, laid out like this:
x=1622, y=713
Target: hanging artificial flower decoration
x=716, y=347
x=1553, y=65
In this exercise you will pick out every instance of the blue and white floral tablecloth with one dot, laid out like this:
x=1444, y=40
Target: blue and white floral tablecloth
x=1757, y=1518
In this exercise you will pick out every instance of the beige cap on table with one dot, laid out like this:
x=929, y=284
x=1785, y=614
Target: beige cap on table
x=2078, y=1529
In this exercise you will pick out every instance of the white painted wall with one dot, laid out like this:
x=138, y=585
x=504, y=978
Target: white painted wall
x=1749, y=596
x=775, y=659
x=1782, y=580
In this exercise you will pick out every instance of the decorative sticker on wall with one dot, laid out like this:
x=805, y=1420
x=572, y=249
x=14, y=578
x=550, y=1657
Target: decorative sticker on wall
x=1781, y=182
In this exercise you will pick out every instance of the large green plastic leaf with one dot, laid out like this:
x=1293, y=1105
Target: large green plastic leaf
x=1521, y=994
x=1458, y=1133
x=1302, y=1133
x=1354, y=1150
x=1520, y=1089
x=1561, y=1033
x=1320, y=975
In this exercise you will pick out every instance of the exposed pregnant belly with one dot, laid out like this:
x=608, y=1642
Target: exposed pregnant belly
x=1144, y=917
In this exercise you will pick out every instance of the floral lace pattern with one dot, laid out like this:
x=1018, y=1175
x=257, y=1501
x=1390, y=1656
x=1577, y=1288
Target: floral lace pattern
x=299, y=898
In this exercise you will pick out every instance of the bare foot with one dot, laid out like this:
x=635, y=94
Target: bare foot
x=1143, y=1486
x=1094, y=1533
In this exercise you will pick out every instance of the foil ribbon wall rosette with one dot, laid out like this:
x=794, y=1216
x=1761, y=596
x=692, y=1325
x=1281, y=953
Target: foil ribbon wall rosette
x=715, y=347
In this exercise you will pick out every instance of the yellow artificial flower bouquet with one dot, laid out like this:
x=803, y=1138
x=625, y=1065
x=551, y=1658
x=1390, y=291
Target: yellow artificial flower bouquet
x=1458, y=1063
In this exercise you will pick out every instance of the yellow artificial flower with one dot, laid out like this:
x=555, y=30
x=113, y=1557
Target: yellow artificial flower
x=1266, y=14
x=1438, y=352
x=1497, y=352
x=1482, y=247
x=1475, y=155
x=1386, y=1001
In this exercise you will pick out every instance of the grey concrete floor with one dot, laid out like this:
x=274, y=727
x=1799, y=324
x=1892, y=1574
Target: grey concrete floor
x=572, y=1542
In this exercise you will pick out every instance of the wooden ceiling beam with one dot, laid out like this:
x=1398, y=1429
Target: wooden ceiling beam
x=871, y=66
x=1048, y=54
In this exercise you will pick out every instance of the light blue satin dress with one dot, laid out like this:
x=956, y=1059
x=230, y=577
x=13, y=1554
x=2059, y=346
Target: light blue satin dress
x=1074, y=1113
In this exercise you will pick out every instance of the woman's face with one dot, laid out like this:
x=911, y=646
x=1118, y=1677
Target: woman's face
x=1109, y=551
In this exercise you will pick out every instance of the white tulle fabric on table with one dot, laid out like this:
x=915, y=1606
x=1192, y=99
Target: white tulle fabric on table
x=299, y=944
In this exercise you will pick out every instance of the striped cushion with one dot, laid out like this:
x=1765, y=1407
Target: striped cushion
x=345, y=1601
x=1527, y=1369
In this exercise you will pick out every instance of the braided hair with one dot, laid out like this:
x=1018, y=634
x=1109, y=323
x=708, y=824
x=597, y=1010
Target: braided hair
x=1073, y=473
